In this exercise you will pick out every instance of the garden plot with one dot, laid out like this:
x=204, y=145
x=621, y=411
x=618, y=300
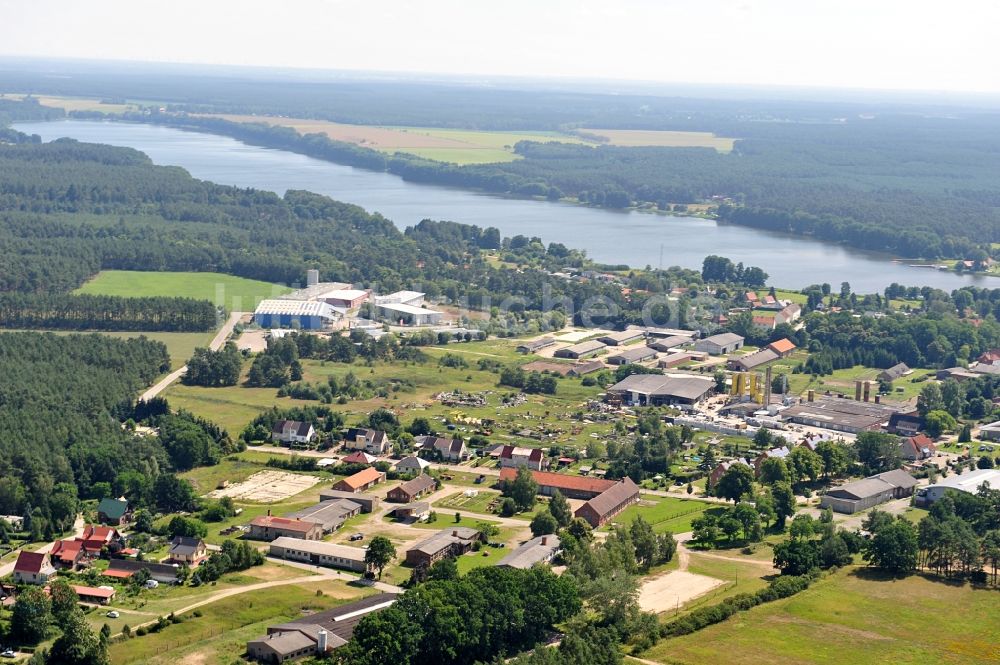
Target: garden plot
x=267, y=487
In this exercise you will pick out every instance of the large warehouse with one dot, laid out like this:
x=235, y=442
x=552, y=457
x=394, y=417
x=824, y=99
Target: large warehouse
x=662, y=390
x=303, y=314
x=840, y=414
x=869, y=492
x=968, y=482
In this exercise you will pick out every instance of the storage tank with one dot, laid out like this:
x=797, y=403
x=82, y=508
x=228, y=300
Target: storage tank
x=312, y=277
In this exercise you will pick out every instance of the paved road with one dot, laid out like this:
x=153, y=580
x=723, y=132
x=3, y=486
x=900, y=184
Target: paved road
x=8, y=568
x=220, y=338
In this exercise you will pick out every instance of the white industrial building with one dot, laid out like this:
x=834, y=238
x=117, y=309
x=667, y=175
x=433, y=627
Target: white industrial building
x=319, y=553
x=968, y=482
x=302, y=314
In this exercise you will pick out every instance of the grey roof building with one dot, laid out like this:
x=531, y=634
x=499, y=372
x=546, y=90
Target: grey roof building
x=662, y=390
x=636, y=354
x=720, y=344
x=541, y=549
x=869, y=492
x=330, y=513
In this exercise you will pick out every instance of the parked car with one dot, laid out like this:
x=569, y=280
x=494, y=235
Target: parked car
x=113, y=614
x=151, y=584
x=8, y=653
x=357, y=536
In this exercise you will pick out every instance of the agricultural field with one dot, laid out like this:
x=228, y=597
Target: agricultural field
x=78, y=104
x=853, y=617
x=663, y=138
x=445, y=145
x=221, y=632
x=842, y=380
x=236, y=294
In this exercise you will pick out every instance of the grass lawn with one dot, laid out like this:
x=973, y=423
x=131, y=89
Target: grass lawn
x=488, y=556
x=221, y=633
x=853, y=618
x=476, y=504
x=842, y=380
x=446, y=520
x=234, y=293
x=666, y=513
x=794, y=296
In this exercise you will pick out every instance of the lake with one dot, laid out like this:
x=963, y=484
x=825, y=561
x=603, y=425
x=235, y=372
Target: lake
x=618, y=237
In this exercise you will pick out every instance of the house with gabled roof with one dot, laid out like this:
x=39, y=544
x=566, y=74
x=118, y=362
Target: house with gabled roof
x=360, y=481
x=915, y=448
x=184, y=549
x=412, y=490
x=113, y=511
x=606, y=505
x=515, y=456
x=783, y=347
x=33, y=568
x=268, y=527
x=68, y=554
x=372, y=441
x=451, y=450
x=359, y=457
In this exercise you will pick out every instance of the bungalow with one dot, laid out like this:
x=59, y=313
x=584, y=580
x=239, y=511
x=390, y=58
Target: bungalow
x=783, y=347
x=94, y=595
x=869, y=492
x=452, y=542
x=359, y=457
x=788, y=314
x=411, y=490
x=541, y=549
x=514, y=456
x=186, y=550
x=417, y=510
x=319, y=553
x=293, y=433
x=315, y=634
x=33, y=568
x=895, y=372
x=372, y=441
x=451, y=450
x=268, y=527
x=112, y=511
x=361, y=481
x=915, y=448
x=571, y=487
x=606, y=505
x=719, y=345
x=412, y=465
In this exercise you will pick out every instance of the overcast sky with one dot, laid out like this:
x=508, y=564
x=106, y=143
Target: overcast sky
x=887, y=44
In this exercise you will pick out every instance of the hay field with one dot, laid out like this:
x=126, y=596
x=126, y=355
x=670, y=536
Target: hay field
x=77, y=103
x=665, y=139
x=447, y=145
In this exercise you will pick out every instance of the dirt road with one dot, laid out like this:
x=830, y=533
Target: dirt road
x=220, y=338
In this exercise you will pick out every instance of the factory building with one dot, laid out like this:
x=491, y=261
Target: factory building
x=302, y=314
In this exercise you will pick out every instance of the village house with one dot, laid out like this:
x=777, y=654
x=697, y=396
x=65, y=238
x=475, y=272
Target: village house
x=721, y=468
x=293, y=433
x=418, y=510
x=916, y=448
x=778, y=453
x=68, y=554
x=359, y=457
x=164, y=573
x=788, y=314
x=268, y=527
x=33, y=568
x=514, y=456
x=783, y=347
x=412, y=490
x=451, y=450
x=412, y=465
x=372, y=441
x=606, y=505
x=187, y=550
x=360, y=481
x=895, y=372
x=113, y=511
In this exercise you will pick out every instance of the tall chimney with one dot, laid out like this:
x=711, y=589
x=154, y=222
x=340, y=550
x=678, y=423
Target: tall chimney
x=857, y=391
x=868, y=390
x=878, y=399
x=812, y=396
x=545, y=540
x=312, y=277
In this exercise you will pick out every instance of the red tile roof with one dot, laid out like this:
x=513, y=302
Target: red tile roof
x=67, y=551
x=120, y=574
x=29, y=562
x=363, y=477
x=783, y=345
x=97, y=532
x=93, y=592
x=266, y=521
x=563, y=481
x=358, y=457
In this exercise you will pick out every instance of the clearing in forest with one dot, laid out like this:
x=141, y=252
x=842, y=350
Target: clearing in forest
x=664, y=139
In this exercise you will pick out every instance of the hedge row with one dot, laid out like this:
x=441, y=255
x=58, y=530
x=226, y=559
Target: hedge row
x=782, y=587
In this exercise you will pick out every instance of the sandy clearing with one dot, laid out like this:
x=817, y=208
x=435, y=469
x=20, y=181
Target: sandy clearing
x=268, y=487
x=673, y=590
